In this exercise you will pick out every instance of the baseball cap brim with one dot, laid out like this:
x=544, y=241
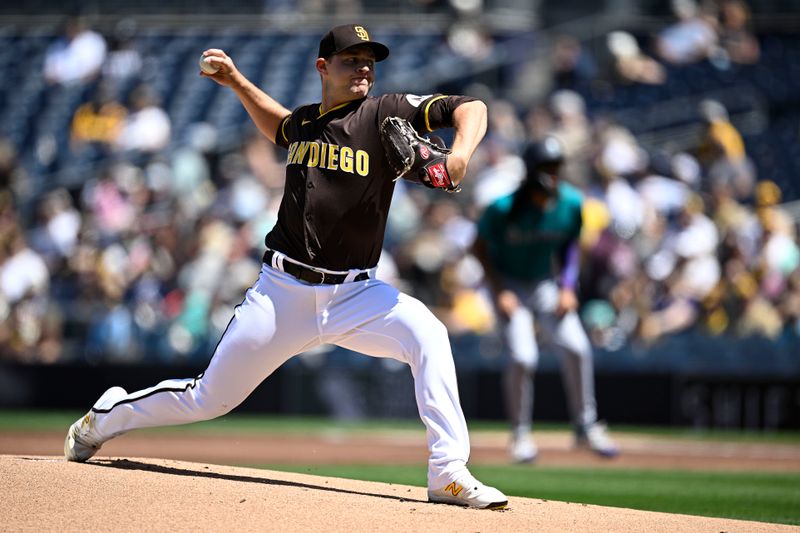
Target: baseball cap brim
x=381, y=51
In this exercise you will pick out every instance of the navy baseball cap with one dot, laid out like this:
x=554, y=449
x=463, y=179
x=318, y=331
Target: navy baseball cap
x=343, y=37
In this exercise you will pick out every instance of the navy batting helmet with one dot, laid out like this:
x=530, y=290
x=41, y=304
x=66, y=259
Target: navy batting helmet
x=542, y=161
x=548, y=151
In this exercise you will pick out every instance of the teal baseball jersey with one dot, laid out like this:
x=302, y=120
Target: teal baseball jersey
x=525, y=247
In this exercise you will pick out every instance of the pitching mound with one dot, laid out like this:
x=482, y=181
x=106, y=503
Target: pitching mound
x=110, y=494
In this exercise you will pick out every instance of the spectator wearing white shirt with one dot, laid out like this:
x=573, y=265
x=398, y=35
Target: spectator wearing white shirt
x=620, y=156
x=75, y=57
x=23, y=272
x=689, y=40
x=501, y=175
x=689, y=267
x=124, y=60
x=147, y=127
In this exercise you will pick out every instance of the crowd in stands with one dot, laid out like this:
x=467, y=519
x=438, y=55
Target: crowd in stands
x=145, y=259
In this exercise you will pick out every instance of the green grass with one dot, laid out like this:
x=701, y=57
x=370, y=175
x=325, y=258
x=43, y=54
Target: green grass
x=714, y=435
x=766, y=497
x=23, y=420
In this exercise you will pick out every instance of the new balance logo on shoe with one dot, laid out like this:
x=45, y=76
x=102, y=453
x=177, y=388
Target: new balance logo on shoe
x=453, y=488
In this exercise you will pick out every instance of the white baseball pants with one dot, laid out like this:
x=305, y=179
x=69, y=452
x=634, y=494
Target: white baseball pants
x=281, y=317
x=565, y=336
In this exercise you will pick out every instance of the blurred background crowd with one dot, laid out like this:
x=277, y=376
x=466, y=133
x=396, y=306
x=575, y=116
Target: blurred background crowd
x=135, y=195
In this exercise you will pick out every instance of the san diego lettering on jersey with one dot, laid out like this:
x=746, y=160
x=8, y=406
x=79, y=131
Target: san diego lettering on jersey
x=328, y=156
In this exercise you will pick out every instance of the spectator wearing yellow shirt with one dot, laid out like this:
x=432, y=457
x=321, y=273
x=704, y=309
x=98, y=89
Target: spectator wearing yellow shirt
x=98, y=122
x=721, y=138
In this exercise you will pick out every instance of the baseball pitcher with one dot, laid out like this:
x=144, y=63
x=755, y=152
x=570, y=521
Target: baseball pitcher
x=317, y=283
x=528, y=245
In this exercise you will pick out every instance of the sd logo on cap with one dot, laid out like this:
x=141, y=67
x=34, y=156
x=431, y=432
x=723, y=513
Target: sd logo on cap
x=343, y=37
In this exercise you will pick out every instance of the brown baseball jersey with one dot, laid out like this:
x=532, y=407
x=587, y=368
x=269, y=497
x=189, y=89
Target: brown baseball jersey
x=339, y=183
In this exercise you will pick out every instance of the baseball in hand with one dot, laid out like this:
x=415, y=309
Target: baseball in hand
x=207, y=67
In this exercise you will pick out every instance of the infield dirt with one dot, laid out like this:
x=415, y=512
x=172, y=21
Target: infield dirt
x=125, y=488
x=46, y=493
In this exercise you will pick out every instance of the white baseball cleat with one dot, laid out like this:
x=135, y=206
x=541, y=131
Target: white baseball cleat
x=523, y=449
x=81, y=442
x=595, y=438
x=467, y=491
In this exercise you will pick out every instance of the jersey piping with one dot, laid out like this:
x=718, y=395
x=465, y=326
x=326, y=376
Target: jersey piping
x=427, y=109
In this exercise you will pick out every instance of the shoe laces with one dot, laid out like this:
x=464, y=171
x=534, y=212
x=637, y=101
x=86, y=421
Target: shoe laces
x=469, y=482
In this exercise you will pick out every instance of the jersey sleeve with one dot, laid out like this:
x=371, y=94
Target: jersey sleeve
x=289, y=128
x=425, y=113
x=282, y=133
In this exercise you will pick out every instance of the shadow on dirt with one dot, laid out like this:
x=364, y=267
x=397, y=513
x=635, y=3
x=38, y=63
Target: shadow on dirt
x=126, y=464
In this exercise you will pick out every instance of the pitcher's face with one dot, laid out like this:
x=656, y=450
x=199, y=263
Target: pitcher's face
x=350, y=74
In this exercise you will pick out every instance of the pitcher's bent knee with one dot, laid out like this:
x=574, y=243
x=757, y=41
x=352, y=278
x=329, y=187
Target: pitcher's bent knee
x=210, y=406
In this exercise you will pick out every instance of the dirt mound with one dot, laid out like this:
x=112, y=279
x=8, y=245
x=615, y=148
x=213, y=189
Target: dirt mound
x=110, y=494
